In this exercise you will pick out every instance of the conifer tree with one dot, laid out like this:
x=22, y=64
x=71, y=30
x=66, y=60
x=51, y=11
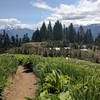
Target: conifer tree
x=72, y=33
x=64, y=34
x=43, y=32
x=88, y=38
x=57, y=31
x=26, y=38
x=50, y=32
x=67, y=35
x=80, y=35
x=36, y=36
x=97, y=40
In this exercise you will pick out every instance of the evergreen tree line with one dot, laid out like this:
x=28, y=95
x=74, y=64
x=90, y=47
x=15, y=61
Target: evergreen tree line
x=14, y=41
x=62, y=33
x=49, y=33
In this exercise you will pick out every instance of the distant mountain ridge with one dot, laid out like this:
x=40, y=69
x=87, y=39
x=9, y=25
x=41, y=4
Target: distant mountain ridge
x=13, y=30
x=95, y=28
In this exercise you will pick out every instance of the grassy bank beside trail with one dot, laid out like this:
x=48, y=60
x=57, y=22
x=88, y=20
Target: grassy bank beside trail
x=59, y=79
x=7, y=68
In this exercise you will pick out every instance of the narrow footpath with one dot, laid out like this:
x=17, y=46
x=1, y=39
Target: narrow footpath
x=23, y=85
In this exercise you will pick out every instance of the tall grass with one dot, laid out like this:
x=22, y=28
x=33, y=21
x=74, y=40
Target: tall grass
x=7, y=68
x=62, y=79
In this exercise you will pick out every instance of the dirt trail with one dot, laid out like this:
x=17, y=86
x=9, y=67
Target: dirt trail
x=23, y=85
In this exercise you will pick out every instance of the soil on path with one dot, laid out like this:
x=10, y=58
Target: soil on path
x=23, y=85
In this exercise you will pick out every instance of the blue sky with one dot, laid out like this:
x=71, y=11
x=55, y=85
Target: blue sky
x=32, y=13
x=24, y=11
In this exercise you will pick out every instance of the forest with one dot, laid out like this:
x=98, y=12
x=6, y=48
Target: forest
x=52, y=34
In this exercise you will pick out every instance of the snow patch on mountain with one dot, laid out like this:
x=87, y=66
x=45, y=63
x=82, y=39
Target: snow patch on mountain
x=13, y=30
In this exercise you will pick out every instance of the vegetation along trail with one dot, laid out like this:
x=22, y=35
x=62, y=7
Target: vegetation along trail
x=23, y=85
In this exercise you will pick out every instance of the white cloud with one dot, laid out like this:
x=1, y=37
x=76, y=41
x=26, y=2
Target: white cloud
x=85, y=12
x=17, y=23
x=9, y=21
x=22, y=26
x=42, y=5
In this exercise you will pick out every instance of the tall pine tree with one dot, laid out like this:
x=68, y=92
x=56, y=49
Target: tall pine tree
x=80, y=35
x=97, y=40
x=72, y=33
x=50, y=32
x=43, y=32
x=88, y=38
x=57, y=31
x=36, y=36
x=67, y=35
x=26, y=38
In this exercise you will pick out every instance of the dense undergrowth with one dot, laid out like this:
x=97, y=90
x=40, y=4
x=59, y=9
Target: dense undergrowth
x=62, y=79
x=59, y=79
x=7, y=68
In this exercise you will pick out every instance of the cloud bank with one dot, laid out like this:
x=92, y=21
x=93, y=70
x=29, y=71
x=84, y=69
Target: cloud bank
x=85, y=12
x=17, y=23
x=42, y=5
x=9, y=21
